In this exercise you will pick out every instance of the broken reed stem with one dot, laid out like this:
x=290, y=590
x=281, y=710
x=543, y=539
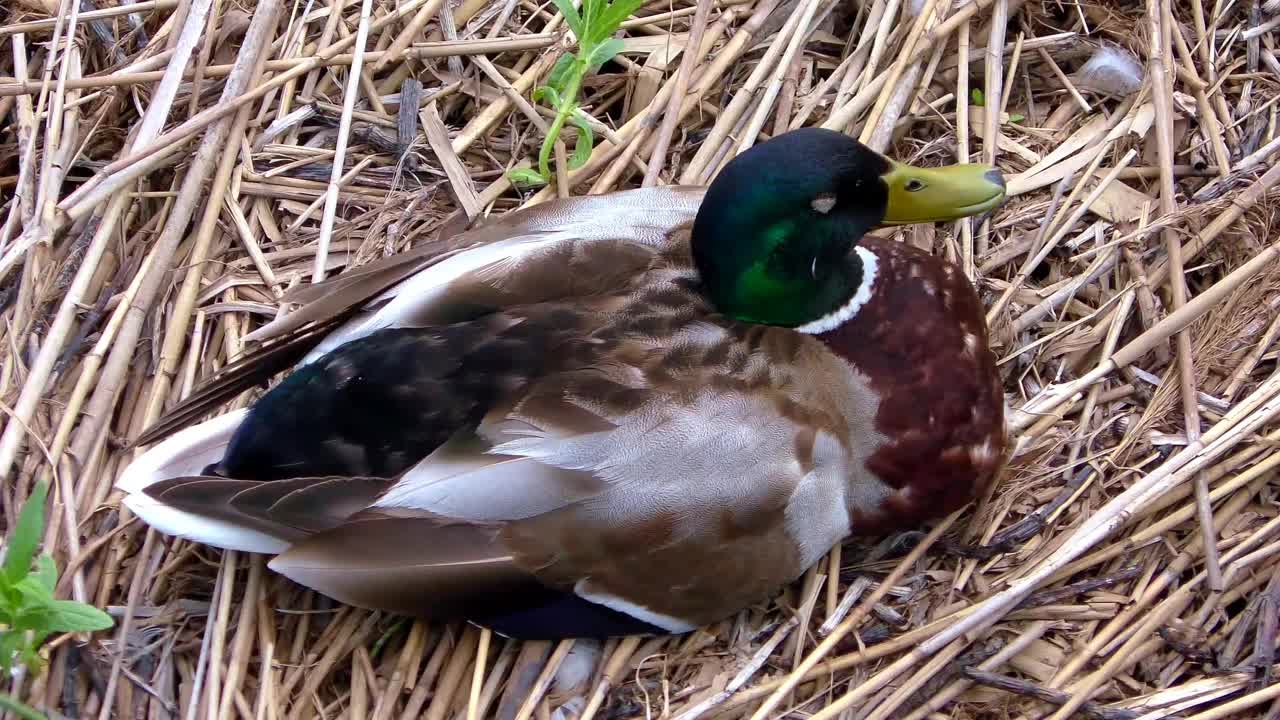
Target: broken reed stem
x=1160, y=50
x=421, y=51
x=683, y=77
x=340, y=150
x=214, y=144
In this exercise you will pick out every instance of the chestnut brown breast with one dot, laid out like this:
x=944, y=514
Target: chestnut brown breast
x=922, y=340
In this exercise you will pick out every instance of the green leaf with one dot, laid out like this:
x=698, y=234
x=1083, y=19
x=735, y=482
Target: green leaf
x=611, y=18
x=26, y=536
x=526, y=176
x=977, y=97
x=1017, y=118
x=46, y=572
x=26, y=713
x=35, y=594
x=603, y=53
x=590, y=10
x=564, y=68
x=72, y=616
x=11, y=642
x=571, y=17
x=586, y=140
x=549, y=95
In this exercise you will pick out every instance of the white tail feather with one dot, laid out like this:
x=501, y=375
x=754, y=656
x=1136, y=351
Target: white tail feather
x=180, y=523
x=187, y=453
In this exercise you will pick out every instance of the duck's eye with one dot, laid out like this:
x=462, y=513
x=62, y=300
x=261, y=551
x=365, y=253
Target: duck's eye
x=914, y=185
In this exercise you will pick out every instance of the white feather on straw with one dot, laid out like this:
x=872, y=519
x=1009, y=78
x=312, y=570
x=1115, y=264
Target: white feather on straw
x=1111, y=70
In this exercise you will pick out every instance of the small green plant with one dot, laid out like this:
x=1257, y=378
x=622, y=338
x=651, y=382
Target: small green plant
x=979, y=100
x=29, y=614
x=594, y=27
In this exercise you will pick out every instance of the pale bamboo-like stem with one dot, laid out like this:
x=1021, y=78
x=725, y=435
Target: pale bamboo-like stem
x=1208, y=117
x=211, y=147
x=884, y=29
x=1161, y=91
x=824, y=88
x=1122, y=627
x=886, y=709
x=451, y=680
x=492, y=113
x=992, y=101
x=32, y=26
x=251, y=245
x=857, y=73
x=24, y=188
x=968, y=261
x=180, y=319
x=1224, y=435
x=52, y=171
x=411, y=30
x=844, y=114
x=477, y=678
x=135, y=592
x=1083, y=691
x=245, y=632
x=340, y=151
x=869, y=129
x=609, y=677
x=544, y=680
x=749, y=669
x=683, y=77
x=631, y=132
x=956, y=687
x=774, y=86
x=1063, y=229
x=695, y=169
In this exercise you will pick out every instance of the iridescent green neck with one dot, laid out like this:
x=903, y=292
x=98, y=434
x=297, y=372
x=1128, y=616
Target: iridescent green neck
x=790, y=270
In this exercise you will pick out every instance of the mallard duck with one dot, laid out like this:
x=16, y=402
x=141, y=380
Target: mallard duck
x=630, y=413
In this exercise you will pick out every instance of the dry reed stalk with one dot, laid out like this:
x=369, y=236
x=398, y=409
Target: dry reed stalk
x=683, y=78
x=1160, y=49
x=340, y=151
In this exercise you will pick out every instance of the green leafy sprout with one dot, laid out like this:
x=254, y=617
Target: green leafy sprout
x=29, y=613
x=594, y=27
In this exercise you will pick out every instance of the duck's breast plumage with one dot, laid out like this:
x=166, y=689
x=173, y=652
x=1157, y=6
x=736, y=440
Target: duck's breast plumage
x=922, y=341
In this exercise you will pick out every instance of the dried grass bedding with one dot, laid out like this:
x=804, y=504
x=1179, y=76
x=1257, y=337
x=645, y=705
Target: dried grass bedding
x=1125, y=565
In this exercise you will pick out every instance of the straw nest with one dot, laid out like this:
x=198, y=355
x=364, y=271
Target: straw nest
x=152, y=216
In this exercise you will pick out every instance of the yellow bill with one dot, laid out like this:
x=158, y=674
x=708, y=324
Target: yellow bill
x=926, y=195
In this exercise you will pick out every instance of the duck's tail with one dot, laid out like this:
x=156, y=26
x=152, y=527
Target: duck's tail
x=187, y=454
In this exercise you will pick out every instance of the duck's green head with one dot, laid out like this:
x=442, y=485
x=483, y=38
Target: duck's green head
x=774, y=237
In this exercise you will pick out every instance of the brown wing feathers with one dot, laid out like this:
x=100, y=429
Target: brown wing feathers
x=288, y=509
x=423, y=567
x=324, y=306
